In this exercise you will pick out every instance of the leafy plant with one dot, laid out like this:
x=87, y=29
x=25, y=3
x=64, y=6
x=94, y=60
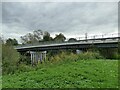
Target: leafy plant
x=80, y=74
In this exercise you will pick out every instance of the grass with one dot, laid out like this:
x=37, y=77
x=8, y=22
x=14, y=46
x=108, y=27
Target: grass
x=80, y=74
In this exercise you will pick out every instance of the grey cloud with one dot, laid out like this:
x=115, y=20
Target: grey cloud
x=68, y=18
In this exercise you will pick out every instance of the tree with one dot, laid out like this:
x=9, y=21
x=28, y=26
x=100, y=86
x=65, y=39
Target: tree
x=24, y=39
x=72, y=40
x=34, y=37
x=28, y=38
x=31, y=38
x=38, y=34
x=60, y=37
x=46, y=36
x=11, y=41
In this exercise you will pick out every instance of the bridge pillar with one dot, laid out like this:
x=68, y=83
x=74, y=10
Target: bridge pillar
x=78, y=51
x=36, y=56
x=44, y=55
x=40, y=57
x=33, y=57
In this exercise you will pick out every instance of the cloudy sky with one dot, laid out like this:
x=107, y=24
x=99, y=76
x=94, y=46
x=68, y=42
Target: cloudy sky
x=73, y=19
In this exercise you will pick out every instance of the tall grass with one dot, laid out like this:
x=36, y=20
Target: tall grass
x=59, y=58
x=89, y=55
x=64, y=56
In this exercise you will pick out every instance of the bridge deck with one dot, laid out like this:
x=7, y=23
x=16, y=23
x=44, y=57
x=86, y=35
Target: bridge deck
x=111, y=42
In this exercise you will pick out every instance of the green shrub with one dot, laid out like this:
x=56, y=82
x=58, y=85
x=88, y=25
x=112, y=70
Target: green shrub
x=117, y=56
x=24, y=59
x=24, y=68
x=10, y=58
x=109, y=53
x=72, y=57
x=64, y=56
x=89, y=55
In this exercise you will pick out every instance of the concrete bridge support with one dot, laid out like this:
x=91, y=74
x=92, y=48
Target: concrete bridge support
x=78, y=51
x=37, y=57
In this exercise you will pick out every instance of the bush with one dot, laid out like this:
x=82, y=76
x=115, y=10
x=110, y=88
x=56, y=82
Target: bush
x=55, y=58
x=109, y=53
x=64, y=56
x=24, y=59
x=24, y=68
x=89, y=55
x=10, y=58
x=117, y=56
x=72, y=57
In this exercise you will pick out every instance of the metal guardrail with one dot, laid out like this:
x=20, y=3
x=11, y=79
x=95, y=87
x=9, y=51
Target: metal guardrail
x=92, y=39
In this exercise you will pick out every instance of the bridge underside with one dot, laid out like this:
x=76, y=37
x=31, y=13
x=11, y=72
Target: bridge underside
x=75, y=46
x=38, y=53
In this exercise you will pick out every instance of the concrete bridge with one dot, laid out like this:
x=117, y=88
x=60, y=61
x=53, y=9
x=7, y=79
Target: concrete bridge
x=38, y=51
x=100, y=43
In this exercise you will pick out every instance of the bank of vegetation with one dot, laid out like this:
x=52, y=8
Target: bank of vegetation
x=13, y=61
x=92, y=73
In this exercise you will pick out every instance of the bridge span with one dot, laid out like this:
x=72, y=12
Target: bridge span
x=38, y=51
x=81, y=44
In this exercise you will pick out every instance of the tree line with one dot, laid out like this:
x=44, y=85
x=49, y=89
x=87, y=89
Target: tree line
x=41, y=36
x=38, y=36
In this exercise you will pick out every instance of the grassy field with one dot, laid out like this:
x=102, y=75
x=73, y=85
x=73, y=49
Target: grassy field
x=79, y=74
